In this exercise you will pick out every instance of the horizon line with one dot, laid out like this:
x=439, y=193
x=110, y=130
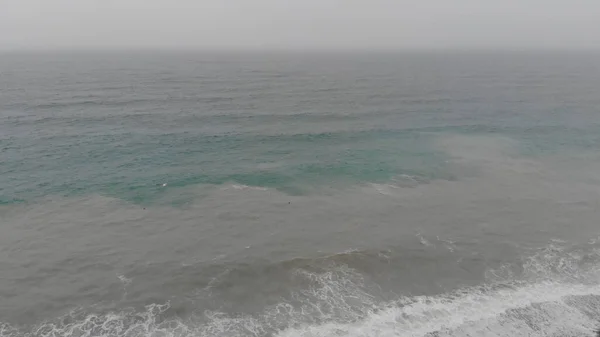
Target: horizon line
x=295, y=50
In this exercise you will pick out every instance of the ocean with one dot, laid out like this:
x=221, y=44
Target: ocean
x=175, y=194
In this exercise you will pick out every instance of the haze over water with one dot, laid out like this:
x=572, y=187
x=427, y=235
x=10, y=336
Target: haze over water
x=299, y=194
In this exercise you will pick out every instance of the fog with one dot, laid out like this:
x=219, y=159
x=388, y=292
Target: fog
x=299, y=24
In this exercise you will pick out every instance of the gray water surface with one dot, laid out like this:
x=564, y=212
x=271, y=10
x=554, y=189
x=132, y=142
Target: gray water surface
x=166, y=194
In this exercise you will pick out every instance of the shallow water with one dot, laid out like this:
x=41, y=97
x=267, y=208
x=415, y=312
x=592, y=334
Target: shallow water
x=299, y=195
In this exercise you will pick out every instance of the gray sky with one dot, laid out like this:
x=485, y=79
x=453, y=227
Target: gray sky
x=270, y=24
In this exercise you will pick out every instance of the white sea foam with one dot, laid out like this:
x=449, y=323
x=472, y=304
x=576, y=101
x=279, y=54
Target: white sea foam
x=384, y=189
x=337, y=302
x=542, y=309
x=422, y=240
x=399, y=182
x=241, y=187
x=475, y=312
x=449, y=244
x=124, y=280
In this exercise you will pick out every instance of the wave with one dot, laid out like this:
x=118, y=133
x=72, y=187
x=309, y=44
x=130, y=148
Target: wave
x=241, y=187
x=533, y=310
x=543, y=309
x=399, y=182
x=558, y=294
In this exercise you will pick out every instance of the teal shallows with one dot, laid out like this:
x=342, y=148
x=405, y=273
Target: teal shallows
x=134, y=166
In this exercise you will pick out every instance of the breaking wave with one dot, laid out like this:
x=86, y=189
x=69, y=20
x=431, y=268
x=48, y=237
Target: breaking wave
x=554, y=292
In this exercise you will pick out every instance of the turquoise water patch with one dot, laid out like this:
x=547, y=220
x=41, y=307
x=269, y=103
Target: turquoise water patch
x=134, y=166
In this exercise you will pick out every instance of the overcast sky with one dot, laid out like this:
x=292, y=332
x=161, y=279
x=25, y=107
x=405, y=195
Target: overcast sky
x=270, y=24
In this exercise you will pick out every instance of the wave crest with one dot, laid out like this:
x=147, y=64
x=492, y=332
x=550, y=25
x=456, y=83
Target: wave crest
x=558, y=294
